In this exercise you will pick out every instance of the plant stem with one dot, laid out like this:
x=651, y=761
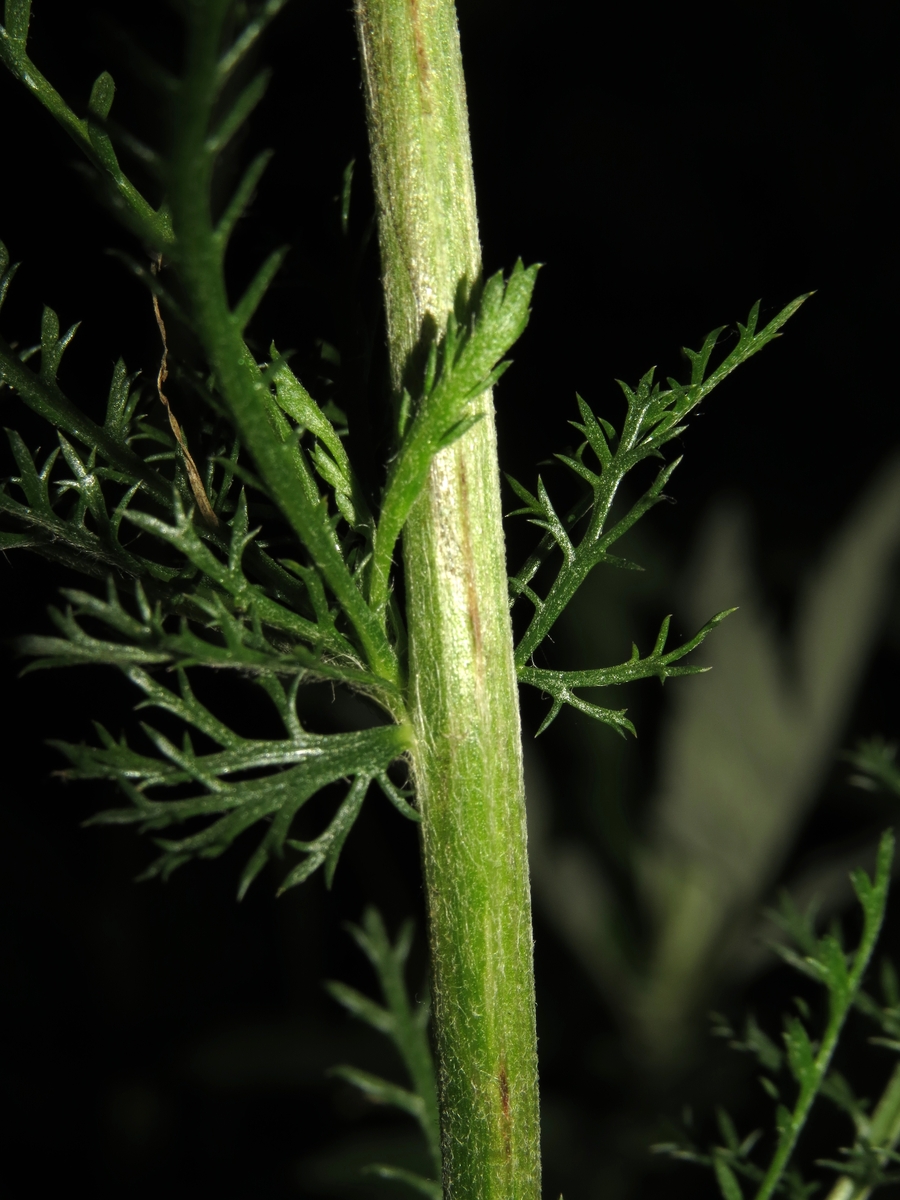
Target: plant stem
x=463, y=692
x=198, y=260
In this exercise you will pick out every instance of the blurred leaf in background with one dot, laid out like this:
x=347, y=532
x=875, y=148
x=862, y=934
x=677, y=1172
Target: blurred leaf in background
x=744, y=752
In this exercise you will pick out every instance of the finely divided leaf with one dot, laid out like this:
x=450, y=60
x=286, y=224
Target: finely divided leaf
x=654, y=417
x=245, y=782
x=399, y=1019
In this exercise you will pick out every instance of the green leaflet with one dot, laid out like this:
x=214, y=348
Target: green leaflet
x=240, y=624
x=425, y=1187
x=559, y=684
x=152, y=225
x=654, y=417
x=230, y=577
x=242, y=644
x=40, y=391
x=243, y=783
x=329, y=457
x=460, y=368
x=66, y=537
x=406, y=1025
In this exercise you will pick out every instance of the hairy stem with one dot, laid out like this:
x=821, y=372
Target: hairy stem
x=467, y=757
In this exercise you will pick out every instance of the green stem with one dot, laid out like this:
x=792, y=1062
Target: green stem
x=463, y=696
x=197, y=258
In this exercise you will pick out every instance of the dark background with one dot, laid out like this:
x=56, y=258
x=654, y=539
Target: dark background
x=668, y=170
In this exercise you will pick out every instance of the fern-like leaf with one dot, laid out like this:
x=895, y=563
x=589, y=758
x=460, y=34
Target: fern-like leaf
x=244, y=783
x=653, y=418
x=659, y=663
x=406, y=1025
x=809, y=1059
x=88, y=133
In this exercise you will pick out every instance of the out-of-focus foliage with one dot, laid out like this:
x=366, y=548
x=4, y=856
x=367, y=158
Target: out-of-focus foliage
x=743, y=755
x=405, y=1022
x=807, y=1060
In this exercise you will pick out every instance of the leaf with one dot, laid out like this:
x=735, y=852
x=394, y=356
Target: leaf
x=53, y=346
x=559, y=684
x=456, y=431
x=400, y=1020
x=237, y=114
x=233, y=640
x=231, y=579
x=800, y=1052
x=727, y=1181
x=326, y=848
x=380, y=1090
x=293, y=770
x=241, y=199
x=243, y=311
x=758, y=1043
x=7, y=274
x=426, y=1187
x=362, y=1007
x=248, y=38
x=121, y=404
x=654, y=417
x=463, y=366
x=99, y=106
x=532, y=508
x=727, y=1130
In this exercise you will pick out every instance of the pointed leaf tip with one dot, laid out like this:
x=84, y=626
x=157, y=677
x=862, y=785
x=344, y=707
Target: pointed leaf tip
x=727, y=1180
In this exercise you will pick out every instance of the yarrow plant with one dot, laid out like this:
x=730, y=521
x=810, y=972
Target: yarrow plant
x=257, y=549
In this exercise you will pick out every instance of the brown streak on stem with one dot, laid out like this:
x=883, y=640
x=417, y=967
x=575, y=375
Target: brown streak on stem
x=421, y=53
x=505, y=1110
